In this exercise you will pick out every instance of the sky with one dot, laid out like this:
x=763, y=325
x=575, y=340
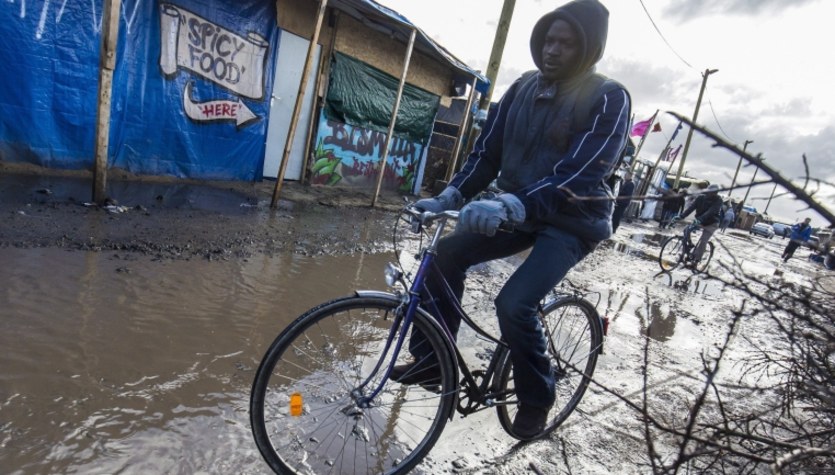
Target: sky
x=775, y=83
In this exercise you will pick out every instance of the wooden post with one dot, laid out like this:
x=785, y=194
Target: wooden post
x=453, y=163
x=496, y=53
x=736, y=173
x=707, y=73
x=381, y=170
x=294, y=122
x=107, y=63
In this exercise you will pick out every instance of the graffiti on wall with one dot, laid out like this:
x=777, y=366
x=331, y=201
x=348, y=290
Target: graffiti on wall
x=214, y=53
x=349, y=155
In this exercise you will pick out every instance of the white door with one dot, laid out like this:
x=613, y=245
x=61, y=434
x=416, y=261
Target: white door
x=292, y=52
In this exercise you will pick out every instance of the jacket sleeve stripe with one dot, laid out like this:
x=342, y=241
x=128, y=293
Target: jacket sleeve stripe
x=482, y=139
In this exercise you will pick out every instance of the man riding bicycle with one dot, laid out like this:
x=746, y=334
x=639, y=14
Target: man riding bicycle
x=552, y=142
x=708, y=208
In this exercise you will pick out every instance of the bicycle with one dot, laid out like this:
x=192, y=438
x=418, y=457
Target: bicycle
x=322, y=400
x=678, y=250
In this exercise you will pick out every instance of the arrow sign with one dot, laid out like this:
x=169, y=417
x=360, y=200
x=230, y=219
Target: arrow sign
x=212, y=111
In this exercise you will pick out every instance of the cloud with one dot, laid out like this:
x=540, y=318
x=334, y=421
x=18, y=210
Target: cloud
x=687, y=10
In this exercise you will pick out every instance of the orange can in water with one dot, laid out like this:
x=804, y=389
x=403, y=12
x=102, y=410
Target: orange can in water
x=296, y=404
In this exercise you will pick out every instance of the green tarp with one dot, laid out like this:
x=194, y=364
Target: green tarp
x=363, y=96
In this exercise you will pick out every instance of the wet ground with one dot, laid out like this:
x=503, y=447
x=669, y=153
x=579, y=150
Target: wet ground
x=130, y=335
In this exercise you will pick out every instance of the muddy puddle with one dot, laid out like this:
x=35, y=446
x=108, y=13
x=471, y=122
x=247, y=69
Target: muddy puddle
x=119, y=365
x=114, y=363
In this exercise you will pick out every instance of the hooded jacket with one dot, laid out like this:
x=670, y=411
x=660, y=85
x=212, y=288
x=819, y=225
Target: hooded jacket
x=554, y=159
x=708, y=207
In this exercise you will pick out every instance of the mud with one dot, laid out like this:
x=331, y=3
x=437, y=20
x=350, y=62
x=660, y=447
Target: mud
x=131, y=334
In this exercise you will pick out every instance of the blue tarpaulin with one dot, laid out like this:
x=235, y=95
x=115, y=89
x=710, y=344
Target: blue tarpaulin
x=190, y=91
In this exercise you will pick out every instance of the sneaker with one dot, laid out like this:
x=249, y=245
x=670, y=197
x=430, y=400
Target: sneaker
x=529, y=422
x=412, y=373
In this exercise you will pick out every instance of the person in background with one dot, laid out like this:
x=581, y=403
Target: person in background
x=627, y=188
x=824, y=253
x=801, y=232
x=727, y=217
x=708, y=207
x=552, y=164
x=673, y=205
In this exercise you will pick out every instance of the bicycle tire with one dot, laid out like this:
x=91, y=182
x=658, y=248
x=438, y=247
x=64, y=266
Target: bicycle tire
x=706, y=257
x=575, y=338
x=324, y=355
x=672, y=253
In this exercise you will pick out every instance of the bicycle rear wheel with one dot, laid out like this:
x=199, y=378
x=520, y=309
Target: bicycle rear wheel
x=304, y=407
x=575, y=338
x=671, y=253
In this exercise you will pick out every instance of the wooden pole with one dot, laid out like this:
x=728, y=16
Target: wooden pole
x=736, y=173
x=107, y=63
x=498, y=50
x=381, y=170
x=308, y=63
x=453, y=163
x=707, y=73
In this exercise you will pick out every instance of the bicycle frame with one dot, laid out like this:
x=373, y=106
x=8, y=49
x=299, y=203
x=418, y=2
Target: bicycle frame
x=412, y=299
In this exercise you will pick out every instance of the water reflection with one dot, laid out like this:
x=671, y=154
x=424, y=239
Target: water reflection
x=654, y=239
x=658, y=321
x=691, y=283
x=117, y=364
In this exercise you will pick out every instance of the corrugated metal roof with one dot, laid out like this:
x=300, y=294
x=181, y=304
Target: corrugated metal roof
x=389, y=22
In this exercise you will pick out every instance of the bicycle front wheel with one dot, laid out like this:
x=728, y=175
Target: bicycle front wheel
x=671, y=253
x=575, y=337
x=306, y=408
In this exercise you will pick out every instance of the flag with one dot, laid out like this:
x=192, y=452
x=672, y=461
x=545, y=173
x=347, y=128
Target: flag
x=675, y=132
x=672, y=154
x=640, y=129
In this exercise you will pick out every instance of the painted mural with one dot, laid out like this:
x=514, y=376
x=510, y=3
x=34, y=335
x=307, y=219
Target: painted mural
x=348, y=156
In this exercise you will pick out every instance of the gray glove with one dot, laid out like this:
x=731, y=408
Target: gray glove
x=450, y=198
x=485, y=216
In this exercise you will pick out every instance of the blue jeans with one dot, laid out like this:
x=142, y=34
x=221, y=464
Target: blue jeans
x=553, y=254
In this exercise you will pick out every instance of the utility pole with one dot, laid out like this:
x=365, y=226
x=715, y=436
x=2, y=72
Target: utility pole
x=496, y=53
x=753, y=178
x=769, y=199
x=733, y=182
x=492, y=72
x=707, y=73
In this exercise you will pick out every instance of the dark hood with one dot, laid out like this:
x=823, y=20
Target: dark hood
x=591, y=21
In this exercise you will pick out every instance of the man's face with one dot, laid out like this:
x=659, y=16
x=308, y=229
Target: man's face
x=560, y=52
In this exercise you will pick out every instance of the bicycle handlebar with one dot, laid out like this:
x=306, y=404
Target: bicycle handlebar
x=426, y=218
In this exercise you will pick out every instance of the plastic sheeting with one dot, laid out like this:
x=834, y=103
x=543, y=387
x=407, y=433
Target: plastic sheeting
x=49, y=84
x=190, y=91
x=363, y=96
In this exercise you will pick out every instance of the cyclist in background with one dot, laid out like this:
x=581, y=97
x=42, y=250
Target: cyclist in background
x=708, y=208
x=552, y=162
